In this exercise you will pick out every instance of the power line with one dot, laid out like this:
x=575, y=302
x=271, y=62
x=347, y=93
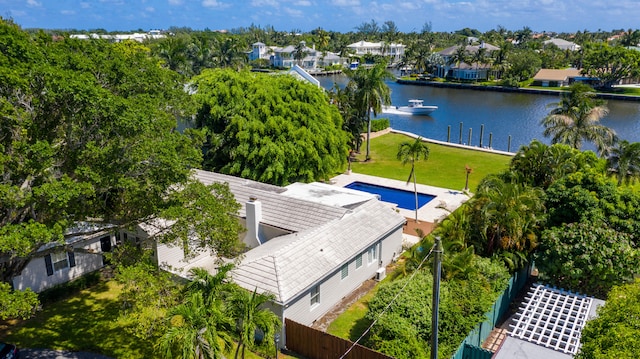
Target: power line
x=390, y=303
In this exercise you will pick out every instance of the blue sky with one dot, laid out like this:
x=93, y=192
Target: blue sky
x=337, y=15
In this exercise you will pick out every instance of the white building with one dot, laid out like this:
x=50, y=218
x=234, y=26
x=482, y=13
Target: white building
x=395, y=51
x=55, y=264
x=311, y=244
x=139, y=37
x=563, y=44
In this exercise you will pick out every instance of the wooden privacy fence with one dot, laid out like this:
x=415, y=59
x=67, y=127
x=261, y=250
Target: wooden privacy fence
x=315, y=344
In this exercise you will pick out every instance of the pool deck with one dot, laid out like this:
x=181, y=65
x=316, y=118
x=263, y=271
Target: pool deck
x=446, y=201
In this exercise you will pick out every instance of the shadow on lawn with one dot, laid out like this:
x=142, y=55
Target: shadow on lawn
x=88, y=321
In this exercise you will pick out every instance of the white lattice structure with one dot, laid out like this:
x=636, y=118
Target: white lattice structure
x=552, y=318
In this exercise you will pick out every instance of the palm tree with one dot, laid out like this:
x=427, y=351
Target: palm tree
x=300, y=52
x=624, y=162
x=411, y=152
x=479, y=57
x=196, y=331
x=458, y=57
x=371, y=93
x=506, y=215
x=249, y=311
x=577, y=118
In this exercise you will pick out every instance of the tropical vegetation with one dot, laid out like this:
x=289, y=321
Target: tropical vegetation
x=412, y=152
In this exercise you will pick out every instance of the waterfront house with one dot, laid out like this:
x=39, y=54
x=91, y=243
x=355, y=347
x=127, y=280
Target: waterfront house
x=286, y=56
x=462, y=70
x=556, y=77
x=309, y=244
x=139, y=37
x=392, y=50
x=58, y=263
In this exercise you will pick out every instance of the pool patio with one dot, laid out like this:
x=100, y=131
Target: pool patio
x=446, y=201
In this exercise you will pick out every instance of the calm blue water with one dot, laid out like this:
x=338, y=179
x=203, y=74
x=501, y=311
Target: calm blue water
x=404, y=199
x=501, y=114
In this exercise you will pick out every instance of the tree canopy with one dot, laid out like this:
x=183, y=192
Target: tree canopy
x=273, y=129
x=88, y=133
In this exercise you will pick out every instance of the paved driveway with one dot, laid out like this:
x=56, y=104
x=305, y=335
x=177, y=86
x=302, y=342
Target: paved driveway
x=57, y=354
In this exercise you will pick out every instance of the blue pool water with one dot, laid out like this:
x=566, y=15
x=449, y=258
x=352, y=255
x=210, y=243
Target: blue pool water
x=404, y=199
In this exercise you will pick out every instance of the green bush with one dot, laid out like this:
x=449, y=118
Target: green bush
x=615, y=332
x=380, y=124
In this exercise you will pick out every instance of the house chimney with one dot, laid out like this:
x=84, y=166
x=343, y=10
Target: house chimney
x=253, y=218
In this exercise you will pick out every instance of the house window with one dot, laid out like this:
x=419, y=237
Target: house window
x=60, y=260
x=359, y=261
x=315, y=295
x=345, y=271
x=372, y=253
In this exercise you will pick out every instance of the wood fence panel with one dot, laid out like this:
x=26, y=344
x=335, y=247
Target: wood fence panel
x=316, y=344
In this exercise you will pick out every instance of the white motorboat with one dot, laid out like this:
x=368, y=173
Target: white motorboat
x=416, y=107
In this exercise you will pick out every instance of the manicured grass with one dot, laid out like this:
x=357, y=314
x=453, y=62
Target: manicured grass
x=88, y=321
x=444, y=168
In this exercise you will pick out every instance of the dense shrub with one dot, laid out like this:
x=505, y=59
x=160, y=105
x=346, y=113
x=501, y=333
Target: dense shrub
x=68, y=289
x=380, y=124
x=586, y=257
x=615, y=332
x=404, y=330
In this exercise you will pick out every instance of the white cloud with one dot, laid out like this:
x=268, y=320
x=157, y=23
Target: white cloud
x=302, y=3
x=149, y=9
x=85, y=5
x=294, y=12
x=175, y=2
x=67, y=12
x=214, y=4
x=346, y=2
x=272, y=3
x=34, y=3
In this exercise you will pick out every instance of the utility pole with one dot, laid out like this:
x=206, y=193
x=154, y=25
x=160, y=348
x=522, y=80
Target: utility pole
x=437, y=266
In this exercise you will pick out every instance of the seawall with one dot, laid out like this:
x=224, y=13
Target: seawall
x=604, y=96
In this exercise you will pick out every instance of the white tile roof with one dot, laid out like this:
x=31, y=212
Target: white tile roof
x=291, y=214
x=289, y=265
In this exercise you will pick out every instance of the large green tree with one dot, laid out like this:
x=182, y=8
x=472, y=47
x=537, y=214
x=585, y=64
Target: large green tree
x=576, y=118
x=88, y=133
x=274, y=129
x=609, y=64
x=371, y=92
x=250, y=315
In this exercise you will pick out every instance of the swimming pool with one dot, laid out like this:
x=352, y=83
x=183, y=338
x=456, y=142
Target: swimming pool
x=404, y=199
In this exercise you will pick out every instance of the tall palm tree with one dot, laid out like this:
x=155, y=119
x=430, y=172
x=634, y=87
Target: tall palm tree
x=371, y=93
x=624, y=162
x=249, y=311
x=479, y=58
x=577, y=118
x=412, y=152
x=197, y=331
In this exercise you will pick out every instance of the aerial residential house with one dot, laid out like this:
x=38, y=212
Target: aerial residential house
x=556, y=77
x=261, y=51
x=392, y=50
x=463, y=70
x=310, y=245
x=563, y=44
x=57, y=263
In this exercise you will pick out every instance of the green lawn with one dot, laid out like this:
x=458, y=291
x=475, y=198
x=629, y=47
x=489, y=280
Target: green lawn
x=444, y=168
x=88, y=321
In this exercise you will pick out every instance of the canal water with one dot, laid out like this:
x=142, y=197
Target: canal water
x=501, y=114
